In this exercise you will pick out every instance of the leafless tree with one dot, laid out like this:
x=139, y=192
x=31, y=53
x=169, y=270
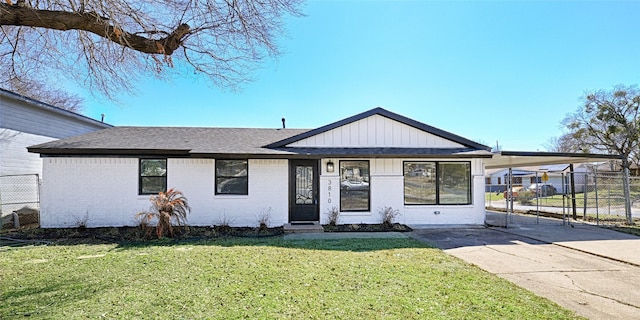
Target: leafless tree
x=608, y=122
x=109, y=44
x=45, y=93
x=565, y=143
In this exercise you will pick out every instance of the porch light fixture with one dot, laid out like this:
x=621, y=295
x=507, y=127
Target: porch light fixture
x=330, y=166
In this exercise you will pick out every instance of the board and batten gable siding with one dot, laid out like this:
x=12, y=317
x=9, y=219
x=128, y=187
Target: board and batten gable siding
x=387, y=190
x=104, y=192
x=376, y=131
x=24, y=124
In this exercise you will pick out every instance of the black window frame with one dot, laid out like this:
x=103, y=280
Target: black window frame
x=141, y=177
x=343, y=191
x=216, y=177
x=437, y=184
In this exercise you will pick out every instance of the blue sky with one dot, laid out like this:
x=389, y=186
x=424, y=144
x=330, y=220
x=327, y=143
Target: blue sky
x=488, y=71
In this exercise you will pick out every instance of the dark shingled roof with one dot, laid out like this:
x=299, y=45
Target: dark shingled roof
x=187, y=141
x=243, y=142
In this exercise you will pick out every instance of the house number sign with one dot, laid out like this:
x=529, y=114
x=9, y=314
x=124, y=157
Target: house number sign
x=328, y=191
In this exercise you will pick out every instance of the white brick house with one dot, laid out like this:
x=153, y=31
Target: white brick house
x=358, y=165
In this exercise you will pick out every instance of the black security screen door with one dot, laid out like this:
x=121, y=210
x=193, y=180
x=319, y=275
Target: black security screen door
x=303, y=190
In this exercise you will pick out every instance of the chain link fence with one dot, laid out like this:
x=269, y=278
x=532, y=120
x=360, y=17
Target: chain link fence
x=19, y=198
x=597, y=197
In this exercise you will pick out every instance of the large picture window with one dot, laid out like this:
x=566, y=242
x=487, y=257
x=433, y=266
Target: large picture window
x=420, y=183
x=232, y=177
x=354, y=186
x=153, y=176
x=437, y=183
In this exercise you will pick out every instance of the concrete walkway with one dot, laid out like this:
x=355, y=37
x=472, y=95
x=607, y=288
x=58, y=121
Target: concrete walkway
x=575, y=235
x=591, y=270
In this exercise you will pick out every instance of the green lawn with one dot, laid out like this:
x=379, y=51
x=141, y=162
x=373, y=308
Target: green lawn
x=492, y=196
x=606, y=199
x=256, y=278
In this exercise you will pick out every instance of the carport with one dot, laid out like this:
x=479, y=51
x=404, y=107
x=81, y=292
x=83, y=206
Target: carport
x=516, y=159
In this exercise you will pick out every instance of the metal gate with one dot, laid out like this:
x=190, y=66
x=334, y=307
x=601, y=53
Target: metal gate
x=590, y=196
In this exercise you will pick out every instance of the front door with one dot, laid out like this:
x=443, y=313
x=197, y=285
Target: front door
x=303, y=190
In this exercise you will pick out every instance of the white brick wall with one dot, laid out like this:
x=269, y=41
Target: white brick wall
x=268, y=192
x=105, y=191
x=387, y=189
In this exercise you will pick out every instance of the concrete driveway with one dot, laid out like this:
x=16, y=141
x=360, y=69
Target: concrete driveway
x=591, y=270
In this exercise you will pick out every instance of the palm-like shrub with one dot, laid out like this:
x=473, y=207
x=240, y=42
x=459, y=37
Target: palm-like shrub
x=168, y=209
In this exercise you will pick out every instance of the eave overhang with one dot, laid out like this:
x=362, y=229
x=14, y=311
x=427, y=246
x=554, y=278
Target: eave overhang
x=517, y=159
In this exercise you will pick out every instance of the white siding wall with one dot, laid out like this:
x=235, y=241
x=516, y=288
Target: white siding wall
x=23, y=125
x=24, y=117
x=105, y=190
x=499, y=174
x=376, y=131
x=14, y=158
x=387, y=189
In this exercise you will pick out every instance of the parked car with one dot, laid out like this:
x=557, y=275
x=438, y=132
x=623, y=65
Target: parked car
x=354, y=184
x=515, y=192
x=543, y=189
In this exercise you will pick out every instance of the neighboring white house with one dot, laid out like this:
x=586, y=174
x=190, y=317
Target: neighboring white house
x=558, y=176
x=357, y=165
x=496, y=179
x=25, y=122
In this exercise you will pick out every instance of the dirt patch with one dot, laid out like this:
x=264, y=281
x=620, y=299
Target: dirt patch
x=25, y=236
x=125, y=234
x=363, y=227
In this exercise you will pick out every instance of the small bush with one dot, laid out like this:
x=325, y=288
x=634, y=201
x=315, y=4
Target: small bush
x=223, y=225
x=167, y=209
x=333, y=215
x=525, y=197
x=263, y=219
x=82, y=223
x=388, y=215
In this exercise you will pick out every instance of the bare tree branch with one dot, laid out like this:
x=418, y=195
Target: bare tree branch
x=107, y=45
